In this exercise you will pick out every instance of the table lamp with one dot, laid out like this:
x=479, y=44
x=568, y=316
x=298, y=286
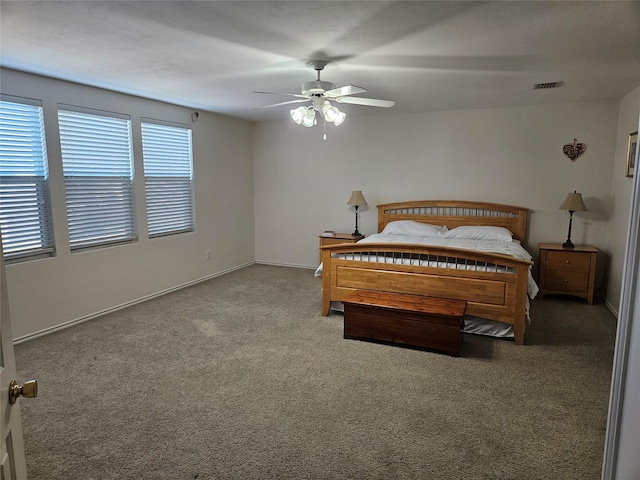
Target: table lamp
x=356, y=200
x=573, y=203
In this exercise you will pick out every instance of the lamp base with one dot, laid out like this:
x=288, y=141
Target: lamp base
x=569, y=243
x=356, y=234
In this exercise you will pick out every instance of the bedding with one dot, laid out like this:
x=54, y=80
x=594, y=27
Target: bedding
x=498, y=234
x=409, y=227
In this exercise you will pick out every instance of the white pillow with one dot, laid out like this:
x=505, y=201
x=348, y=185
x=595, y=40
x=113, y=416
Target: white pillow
x=497, y=234
x=416, y=229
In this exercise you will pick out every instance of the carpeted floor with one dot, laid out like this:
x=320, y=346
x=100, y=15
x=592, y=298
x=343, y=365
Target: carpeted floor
x=240, y=377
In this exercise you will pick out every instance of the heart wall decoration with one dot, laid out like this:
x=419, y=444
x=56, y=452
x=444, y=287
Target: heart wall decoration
x=574, y=150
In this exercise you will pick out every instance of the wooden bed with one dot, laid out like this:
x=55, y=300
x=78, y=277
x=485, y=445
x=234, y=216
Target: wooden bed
x=497, y=291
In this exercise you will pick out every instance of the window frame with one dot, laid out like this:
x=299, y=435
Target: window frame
x=168, y=177
x=99, y=174
x=33, y=201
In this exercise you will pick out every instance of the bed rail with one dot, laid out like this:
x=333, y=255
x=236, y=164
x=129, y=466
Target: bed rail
x=420, y=255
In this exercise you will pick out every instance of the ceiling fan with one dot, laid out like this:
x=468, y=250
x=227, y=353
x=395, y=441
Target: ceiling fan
x=320, y=93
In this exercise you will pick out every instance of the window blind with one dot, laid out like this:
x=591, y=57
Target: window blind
x=25, y=211
x=168, y=173
x=98, y=176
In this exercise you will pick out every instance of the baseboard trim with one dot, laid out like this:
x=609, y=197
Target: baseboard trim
x=276, y=264
x=611, y=308
x=101, y=313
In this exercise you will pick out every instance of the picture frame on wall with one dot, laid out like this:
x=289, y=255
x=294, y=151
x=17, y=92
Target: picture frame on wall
x=632, y=153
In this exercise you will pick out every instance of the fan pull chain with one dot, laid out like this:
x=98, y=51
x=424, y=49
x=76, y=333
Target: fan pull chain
x=325, y=129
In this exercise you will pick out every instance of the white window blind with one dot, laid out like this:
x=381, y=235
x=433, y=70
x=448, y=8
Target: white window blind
x=25, y=212
x=98, y=176
x=168, y=174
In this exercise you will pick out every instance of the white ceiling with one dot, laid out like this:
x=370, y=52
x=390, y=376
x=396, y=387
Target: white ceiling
x=211, y=55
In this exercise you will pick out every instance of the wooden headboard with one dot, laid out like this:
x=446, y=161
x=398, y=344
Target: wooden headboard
x=454, y=213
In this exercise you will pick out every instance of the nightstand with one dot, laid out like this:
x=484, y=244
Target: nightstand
x=340, y=238
x=569, y=271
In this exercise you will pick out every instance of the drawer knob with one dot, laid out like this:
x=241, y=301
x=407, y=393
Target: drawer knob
x=565, y=280
x=567, y=261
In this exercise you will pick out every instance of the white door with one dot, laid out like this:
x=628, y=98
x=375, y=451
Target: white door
x=13, y=462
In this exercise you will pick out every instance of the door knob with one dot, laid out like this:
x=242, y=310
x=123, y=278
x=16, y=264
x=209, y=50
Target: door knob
x=28, y=390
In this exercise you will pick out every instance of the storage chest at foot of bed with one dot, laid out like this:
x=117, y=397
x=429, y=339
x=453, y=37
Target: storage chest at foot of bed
x=411, y=320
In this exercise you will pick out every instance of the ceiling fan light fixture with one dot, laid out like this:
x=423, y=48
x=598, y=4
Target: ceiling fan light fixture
x=329, y=112
x=318, y=93
x=309, y=118
x=298, y=114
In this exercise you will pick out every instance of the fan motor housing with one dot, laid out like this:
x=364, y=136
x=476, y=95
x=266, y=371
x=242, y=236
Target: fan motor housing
x=316, y=87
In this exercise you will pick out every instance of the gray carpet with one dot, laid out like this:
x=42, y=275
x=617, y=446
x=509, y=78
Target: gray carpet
x=240, y=377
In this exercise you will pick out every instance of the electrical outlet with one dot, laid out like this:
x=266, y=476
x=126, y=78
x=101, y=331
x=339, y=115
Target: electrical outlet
x=207, y=255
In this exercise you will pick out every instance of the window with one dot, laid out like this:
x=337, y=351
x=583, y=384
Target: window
x=25, y=211
x=98, y=177
x=168, y=174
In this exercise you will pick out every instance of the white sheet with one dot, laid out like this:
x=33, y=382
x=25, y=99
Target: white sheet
x=513, y=249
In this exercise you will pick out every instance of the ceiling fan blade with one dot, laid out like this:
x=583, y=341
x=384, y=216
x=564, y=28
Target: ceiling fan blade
x=285, y=94
x=369, y=102
x=342, y=91
x=283, y=103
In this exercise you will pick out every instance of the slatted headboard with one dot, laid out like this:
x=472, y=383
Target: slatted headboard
x=454, y=213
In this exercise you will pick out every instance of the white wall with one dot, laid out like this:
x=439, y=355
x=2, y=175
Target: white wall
x=49, y=292
x=621, y=193
x=504, y=155
x=623, y=426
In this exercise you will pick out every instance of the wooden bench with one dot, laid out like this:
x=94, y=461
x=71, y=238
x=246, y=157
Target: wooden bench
x=411, y=320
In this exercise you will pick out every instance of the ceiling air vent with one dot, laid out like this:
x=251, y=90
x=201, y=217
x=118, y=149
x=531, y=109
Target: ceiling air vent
x=540, y=86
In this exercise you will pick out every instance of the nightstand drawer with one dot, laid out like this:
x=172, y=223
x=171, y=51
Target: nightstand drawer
x=567, y=280
x=573, y=261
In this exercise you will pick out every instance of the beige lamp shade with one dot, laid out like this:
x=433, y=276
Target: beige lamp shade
x=574, y=203
x=357, y=199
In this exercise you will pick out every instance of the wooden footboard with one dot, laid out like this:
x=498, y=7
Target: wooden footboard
x=493, y=285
